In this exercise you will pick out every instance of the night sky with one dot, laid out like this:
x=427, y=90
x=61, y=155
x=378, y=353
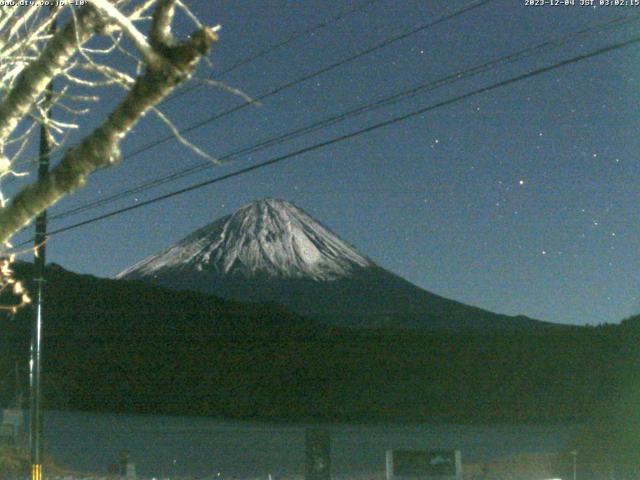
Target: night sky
x=523, y=200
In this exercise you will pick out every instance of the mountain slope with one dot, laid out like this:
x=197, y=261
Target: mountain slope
x=268, y=238
x=130, y=347
x=270, y=250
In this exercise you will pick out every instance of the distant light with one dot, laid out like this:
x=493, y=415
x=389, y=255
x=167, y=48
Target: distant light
x=521, y=182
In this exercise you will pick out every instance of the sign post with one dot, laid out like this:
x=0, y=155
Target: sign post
x=317, y=465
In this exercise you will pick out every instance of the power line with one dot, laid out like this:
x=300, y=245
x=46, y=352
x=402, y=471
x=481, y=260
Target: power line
x=470, y=6
x=422, y=88
x=362, y=131
x=277, y=46
x=261, y=53
x=467, y=8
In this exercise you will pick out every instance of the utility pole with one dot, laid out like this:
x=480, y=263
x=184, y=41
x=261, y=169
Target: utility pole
x=35, y=370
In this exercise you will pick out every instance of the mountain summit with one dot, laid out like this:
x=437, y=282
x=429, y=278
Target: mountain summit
x=270, y=237
x=272, y=251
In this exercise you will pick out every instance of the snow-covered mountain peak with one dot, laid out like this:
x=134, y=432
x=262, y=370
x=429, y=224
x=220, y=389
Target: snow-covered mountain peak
x=269, y=237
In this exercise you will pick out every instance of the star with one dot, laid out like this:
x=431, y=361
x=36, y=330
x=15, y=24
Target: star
x=521, y=182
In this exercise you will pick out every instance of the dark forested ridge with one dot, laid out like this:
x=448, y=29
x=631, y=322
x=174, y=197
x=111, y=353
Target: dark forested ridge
x=128, y=347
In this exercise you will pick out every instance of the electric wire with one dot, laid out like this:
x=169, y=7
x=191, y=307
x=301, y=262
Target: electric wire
x=331, y=120
x=385, y=43
x=261, y=53
x=347, y=136
x=468, y=7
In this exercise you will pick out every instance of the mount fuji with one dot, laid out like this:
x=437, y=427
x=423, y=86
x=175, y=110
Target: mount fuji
x=272, y=251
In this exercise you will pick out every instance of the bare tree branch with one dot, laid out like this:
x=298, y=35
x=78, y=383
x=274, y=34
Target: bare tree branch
x=33, y=80
x=101, y=148
x=138, y=39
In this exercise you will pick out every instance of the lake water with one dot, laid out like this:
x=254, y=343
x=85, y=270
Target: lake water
x=168, y=446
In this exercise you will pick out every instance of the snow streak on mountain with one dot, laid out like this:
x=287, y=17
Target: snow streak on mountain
x=270, y=237
x=272, y=251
